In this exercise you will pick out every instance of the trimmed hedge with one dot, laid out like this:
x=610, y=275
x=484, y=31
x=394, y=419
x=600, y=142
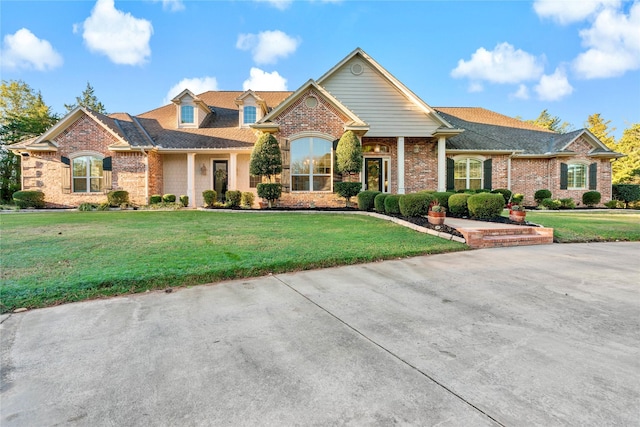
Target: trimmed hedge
x=626, y=193
x=591, y=198
x=458, y=204
x=347, y=189
x=169, y=198
x=415, y=204
x=269, y=191
x=155, y=199
x=506, y=193
x=210, y=197
x=118, y=198
x=540, y=195
x=485, y=205
x=443, y=197
x=29, y=199
x=184, y=200
x=392, y=204
x=552, y=204
x=366, y=200
x=567, y=203
x=378, y=202
x=234, y=198
x=246, y=200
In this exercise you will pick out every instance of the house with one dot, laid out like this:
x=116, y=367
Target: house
x=204, y=141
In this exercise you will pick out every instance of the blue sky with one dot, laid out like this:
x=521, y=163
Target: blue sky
x=572, y=57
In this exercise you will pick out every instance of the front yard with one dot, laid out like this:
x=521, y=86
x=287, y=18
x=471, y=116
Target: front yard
x=590, y=225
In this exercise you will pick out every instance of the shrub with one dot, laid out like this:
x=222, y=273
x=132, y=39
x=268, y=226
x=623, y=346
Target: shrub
x=155, y=199
x=540, y=195
x=169, y=198
x=612, y=204
x=117, y=197
x=349, y=154
x=266, y=160
x=517, y=198
x=246, y=200
x=103, y=206
x=29, y=199
x=270, y=192
x=506, y=193
x=567, y=203
x=366, y=200
x=347, y=189
x=378, y=202
x=458, y=204
x=210, y=197
x=591, y=198
x=233, y=198
x=442, y=197
x=485, y=205
x=549, y=203
x=626, y=193
x=415, y=204
x=184, y=200
x=392, y=204
x=85, y=207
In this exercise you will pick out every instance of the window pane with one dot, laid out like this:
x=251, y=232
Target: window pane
x=186, y=114
x=460, y=184
x=577, y=176
x=300, y=156
x=96, y=167
x=80, y=185
x=80, y=166
x=321, y=183
x=475, y=184
x=300, y=183
x=249, y=115
x=460, y=169
x=96, y=185
x=475, y=169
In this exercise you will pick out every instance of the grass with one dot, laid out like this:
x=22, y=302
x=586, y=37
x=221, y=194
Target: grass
x=590, y=225
x=53, y=258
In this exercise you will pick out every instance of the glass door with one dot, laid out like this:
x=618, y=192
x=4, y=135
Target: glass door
x=220, y=178
x=373, y=174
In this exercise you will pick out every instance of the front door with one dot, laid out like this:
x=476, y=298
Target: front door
x=220, y=178
x=373, y=174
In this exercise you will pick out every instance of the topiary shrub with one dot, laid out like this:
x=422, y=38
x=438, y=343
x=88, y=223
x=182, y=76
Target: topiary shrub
x=626, y=193
x=415, y=204
x=506, y=193
x=591, y=198
x=458, y=204
x=442, y=197
x=485, y=205
x=29, y=199
x=366, y=200
x=378, y=202
x=552, y=204
x=246, y=200
x=117, y=198
x=270, y=192
x=86, y=207
x=517, y=198
x=210, y=197
x=155, y=199
x=233, y=198
x=567, y=203
x=347, y=190
x=392, y=204
x=184, y=200
x=169, y=198
x=540, y=195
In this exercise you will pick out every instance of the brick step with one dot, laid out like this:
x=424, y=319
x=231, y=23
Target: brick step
x=520, y=231
x=513, y=236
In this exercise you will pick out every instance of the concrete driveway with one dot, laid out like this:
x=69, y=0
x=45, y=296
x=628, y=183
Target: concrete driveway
x=540, y=335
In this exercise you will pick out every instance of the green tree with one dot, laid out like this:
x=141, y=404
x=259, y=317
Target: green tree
x=266, y=157
x=89, y=100
x=349, y=153
x=554, y=123
x=23, y=115
x=626, y=170
x=600, y=128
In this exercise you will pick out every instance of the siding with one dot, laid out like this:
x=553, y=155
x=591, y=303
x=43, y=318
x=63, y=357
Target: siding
x=372, y=98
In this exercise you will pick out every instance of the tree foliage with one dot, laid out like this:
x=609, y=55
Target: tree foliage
x=547, y=121
x=349, y=153
x=626, y=170
x=266, y=157
x=23, y=115
x=600, y=128
x=89, y=100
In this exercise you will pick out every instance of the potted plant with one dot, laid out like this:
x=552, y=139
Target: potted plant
x=517, y=213
x=436, y=214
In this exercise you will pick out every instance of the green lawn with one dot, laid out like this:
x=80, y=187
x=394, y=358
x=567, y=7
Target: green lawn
x=590, y=225
x=52, y=258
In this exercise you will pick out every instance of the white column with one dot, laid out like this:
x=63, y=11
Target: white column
x=401, y=165
x=233, y=172
x=442, y=164
x=191, y=179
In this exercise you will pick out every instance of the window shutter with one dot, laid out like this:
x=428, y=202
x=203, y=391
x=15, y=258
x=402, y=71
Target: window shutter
x=593, y=176
x=285, y=176
x=65, y=160
x=65, y=176
x=487, y=166
x=450, y=176
x=106, y=164
x=564, y=176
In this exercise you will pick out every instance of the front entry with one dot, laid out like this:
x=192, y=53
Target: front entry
x=376, y=174
x=220, y=178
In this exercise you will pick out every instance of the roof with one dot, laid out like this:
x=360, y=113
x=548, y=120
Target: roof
x=488, y=117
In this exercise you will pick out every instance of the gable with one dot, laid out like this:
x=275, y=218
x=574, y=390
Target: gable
x=85, y=134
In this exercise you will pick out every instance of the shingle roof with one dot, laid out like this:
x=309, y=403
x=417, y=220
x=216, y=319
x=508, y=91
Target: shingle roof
x=488, y=117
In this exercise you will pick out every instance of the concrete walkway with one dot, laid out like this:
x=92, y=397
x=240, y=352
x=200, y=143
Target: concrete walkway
x=538, y=335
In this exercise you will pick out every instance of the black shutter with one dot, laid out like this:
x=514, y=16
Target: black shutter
x=487, y=173
x=451, y=183
x=106, y=164
x=564, y=176
x=593, y=176
x=65, y=160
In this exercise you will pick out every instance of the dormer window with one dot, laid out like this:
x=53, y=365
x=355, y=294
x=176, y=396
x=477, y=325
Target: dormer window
x=249, y=115
x=186, y=114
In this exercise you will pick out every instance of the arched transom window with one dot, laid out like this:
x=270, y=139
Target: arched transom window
x=311, y=162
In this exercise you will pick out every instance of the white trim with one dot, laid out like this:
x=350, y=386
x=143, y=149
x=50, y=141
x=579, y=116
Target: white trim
x=401, y=165
x=191, y=178
x=82, y=153
x=442, y=164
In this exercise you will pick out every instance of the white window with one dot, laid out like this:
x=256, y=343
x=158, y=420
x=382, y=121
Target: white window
x=311, y=163
x=577, y=176
x=87, y=174
x=186, y=114
x=467, y=174
x=249, y=115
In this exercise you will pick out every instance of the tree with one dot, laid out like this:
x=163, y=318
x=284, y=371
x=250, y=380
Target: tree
x=348, y=161
x=23, y=115
x=626, y=170
x=266, y=160
x=88, y=100
x=600, y=128
x=547, y=121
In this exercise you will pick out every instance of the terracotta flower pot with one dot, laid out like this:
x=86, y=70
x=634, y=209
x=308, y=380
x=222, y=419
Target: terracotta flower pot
x=517, y=216
x=436, y=218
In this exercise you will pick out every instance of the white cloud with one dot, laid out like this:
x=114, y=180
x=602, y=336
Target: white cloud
x=123, y=38
x=171, y=5
x=613, y=43
x=278, y=4
x=268, y=46
x=553, y=87
x=504, y=64
x=24, y=50
x=521, y=93
x=475, y=87
x=197, y=85
x=569, y=11
x=261, y=80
